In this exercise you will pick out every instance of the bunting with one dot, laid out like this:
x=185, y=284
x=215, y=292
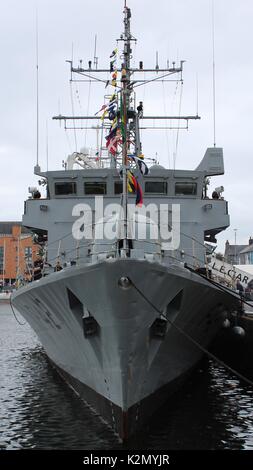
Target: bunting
x=113, y=69
x=114, y=53
x=134, y=187
x=122, y=117
x=112, y=144
x=131, y=182
x=141, y=164
x=111, y=82
x=111, y=134
x=139, y=195
x=101, y=109
x=104, y=114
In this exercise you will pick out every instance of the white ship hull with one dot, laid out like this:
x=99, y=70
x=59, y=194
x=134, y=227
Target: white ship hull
x=118, y=370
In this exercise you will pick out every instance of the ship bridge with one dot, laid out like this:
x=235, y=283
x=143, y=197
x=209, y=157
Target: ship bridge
x=82, y=196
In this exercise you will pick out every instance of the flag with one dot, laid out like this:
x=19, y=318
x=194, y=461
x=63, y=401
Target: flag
x=139, y=195
x=123, y=74
x=131, y=182
x=112, y=65
x=112, y=106
x=114, y=123
x=112, y=110
x=141, y=164
x=112, y=145
x=104, y=114
x=113, y=98
x=114, y=52
x=102, y=109
x=112, y=114
x=111, y=82
x=122, y=120
x=111, y=134
x=134, y=187
x=112, y=102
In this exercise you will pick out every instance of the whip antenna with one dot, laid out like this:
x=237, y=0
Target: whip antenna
x=47, y=143
x=37, y=90
x=214, y=84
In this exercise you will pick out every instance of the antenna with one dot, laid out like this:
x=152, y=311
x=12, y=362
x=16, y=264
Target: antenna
x=157, y=65
x=95, y=60
x=214, y=84
x=47, y=142
x=37, y=88
x=197, y=95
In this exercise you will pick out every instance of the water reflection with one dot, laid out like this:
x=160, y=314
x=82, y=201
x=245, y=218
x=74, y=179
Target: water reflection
x=212, y=411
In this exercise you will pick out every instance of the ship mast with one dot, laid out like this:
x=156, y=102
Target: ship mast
x=130, y=120
x=125, y=98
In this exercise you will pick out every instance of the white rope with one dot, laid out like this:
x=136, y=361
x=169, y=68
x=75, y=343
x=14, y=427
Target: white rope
x=166, y=130
x=88, y=109
x=68, y=140
x=179, y=114
x=72, y=105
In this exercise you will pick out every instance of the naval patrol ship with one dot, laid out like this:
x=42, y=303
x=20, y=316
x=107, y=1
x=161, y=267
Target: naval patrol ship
x=123, y=305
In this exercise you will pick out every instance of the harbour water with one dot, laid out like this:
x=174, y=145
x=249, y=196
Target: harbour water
x=214, y=410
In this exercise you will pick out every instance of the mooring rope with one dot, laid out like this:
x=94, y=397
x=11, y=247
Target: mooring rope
x=22, y=324
x=192, y=340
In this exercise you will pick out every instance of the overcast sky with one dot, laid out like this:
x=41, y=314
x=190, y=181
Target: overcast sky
x=177, y=29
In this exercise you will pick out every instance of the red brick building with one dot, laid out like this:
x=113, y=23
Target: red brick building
x=17, y=251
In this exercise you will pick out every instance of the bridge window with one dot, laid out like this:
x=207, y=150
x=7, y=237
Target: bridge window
x=65, y=188
x=156, y=187
x=118, y=187
x=186, y=189
x=95, y=187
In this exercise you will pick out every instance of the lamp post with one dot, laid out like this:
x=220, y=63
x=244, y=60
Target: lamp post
x=235, y=230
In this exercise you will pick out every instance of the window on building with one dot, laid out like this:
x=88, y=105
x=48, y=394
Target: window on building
x=156, y=187
x=94, y=187
x=28, y=251
x=1, y=259
x=118, y=187
x=249, y=257
x=65, y=188
x=186, y=189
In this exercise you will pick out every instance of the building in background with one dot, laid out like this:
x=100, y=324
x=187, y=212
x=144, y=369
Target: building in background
x=246, y=255
x=17, y=252
x=232, y=252
x=239, y=254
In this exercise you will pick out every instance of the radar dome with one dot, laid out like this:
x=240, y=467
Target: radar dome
x=84, y=150
x=156, y=167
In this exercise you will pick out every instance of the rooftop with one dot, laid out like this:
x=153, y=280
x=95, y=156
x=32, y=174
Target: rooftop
x=234, y=249
x=248, y=249
x=6, y=228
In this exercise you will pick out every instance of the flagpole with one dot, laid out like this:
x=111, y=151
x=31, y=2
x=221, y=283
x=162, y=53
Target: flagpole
x=124, y=118
x=124, y=158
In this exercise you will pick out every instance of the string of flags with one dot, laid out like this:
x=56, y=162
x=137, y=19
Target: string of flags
x=134, y=187
x=113, y=69
x=117, y=135
x=112, y=141
x=140, y=163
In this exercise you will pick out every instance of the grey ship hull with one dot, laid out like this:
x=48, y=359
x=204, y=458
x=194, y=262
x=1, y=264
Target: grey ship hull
x=124, y=372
